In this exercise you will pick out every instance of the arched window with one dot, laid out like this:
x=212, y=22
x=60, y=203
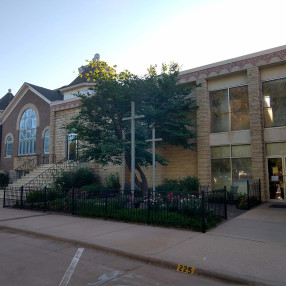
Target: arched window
x=47, y=142
x=27, y=133
x=9, y=142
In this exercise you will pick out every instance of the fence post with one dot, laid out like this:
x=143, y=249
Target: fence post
x=248, y=203
x=148, y=208
x=45, y=198
x=4, y=199
x=203, y=213
x=73, y=201
x=21, y=198
x=259, y=189
x=225, y=203
x=105, y=203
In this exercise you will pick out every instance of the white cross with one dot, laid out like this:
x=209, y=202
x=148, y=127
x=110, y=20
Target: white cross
x=132, y=118
x=153, y=140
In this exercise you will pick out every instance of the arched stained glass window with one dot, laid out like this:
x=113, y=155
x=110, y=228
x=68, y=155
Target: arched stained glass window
x=9, y=142
x=47, y=142
x=27, y=133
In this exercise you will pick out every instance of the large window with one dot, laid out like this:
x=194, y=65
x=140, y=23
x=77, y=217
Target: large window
x=9, y=142
x=229, y=109
x=47, y=142
x=231, y=165
x=27, y=133
x=274, y=93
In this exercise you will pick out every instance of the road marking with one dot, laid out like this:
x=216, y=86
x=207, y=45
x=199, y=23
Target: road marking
x=106, y=277
x=71, y=268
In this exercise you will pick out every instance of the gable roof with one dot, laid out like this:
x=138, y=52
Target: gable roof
x=5, y=100
x=51, y=95
x=80, y=79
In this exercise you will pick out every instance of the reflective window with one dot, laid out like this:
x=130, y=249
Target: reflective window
x=231, y=165
x=27, y=133
x=9, y=142
x=276, y=149
x=47, y=142
x=274, y=93
x=229, y=109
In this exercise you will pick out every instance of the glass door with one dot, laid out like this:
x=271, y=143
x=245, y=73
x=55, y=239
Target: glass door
x=276, y=177
x=71, y=147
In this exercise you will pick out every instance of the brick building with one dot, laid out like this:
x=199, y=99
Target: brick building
x=241, y=124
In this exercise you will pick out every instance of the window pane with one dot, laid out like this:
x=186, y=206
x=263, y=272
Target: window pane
x=9, y=146
x=219, y=111
x=219, y=122
x=276, y=149
x=274, y=93
x=240, y=120
x=239, y=107
x=241, y=151
x=27, y=133
x=241, y=172
x=47, y=142
x=221, y=174
x=220, y=152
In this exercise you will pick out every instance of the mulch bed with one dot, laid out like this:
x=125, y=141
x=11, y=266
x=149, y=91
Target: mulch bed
x=233, y=211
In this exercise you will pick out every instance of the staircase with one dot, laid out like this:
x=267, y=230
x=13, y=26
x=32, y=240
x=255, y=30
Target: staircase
x=41, y=175
x=24, y=180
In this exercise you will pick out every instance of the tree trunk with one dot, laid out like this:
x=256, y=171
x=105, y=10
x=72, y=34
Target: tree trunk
x=142, y=184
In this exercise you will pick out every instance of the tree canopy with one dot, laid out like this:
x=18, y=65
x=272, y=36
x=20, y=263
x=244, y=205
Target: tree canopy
x=159, y=97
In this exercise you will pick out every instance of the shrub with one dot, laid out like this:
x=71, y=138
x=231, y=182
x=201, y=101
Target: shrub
x=4, y=179
x=184, y=185
x=38, y=196
x=112, y=181
x=77, y=178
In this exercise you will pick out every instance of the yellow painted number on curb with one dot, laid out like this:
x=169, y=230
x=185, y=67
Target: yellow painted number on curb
x=185, y=269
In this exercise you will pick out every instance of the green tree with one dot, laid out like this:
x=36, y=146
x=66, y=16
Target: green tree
x=163, y=101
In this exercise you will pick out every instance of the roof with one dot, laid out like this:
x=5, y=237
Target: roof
x=5, y=100
x=80, y=79
x=51, y=95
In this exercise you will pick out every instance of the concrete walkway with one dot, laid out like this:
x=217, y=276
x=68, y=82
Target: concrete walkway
x=250, y=248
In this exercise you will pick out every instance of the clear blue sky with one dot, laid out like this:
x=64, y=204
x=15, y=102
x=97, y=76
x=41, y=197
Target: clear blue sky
x=44, y=42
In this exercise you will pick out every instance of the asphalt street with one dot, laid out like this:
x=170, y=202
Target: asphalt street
x=28, y=261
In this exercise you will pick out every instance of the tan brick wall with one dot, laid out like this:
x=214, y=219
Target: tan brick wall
x=52, y=131
x=203, y=133
x=62, y=118
x=256, y=129
x=182, y=163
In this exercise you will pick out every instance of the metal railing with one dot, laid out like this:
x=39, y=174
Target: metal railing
x=169, y=209
x=30, y=165
x=49, y=174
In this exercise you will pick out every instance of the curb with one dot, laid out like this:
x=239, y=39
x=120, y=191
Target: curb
x=145, y=259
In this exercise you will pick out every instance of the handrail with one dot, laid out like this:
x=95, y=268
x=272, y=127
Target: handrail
x=62, y=164
x=30, y=165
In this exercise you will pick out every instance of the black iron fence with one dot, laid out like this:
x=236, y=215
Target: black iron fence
x=253, y=194
x=198, y=210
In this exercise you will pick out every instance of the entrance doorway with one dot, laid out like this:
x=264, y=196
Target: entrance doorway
x=276, y=177
x=71, y=147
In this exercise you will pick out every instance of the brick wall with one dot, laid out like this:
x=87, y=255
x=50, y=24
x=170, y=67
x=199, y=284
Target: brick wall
x=203, y=133
x=256, y=129
x=11, y=126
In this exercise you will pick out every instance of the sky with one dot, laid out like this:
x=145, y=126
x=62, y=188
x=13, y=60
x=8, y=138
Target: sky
x=45, y=42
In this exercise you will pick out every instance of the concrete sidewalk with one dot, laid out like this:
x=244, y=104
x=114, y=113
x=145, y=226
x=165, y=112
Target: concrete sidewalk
x=250, y=248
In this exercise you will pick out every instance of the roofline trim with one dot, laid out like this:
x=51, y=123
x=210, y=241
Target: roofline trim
x=18, y=96
x=76, y=86
x=233, y=60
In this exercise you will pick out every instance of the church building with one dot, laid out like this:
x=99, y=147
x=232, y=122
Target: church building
x=241, y=125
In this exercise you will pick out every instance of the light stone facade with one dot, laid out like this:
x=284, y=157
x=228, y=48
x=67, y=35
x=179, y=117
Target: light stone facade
x=250, y=70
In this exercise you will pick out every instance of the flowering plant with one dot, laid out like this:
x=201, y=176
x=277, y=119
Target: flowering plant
x=243, y=204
